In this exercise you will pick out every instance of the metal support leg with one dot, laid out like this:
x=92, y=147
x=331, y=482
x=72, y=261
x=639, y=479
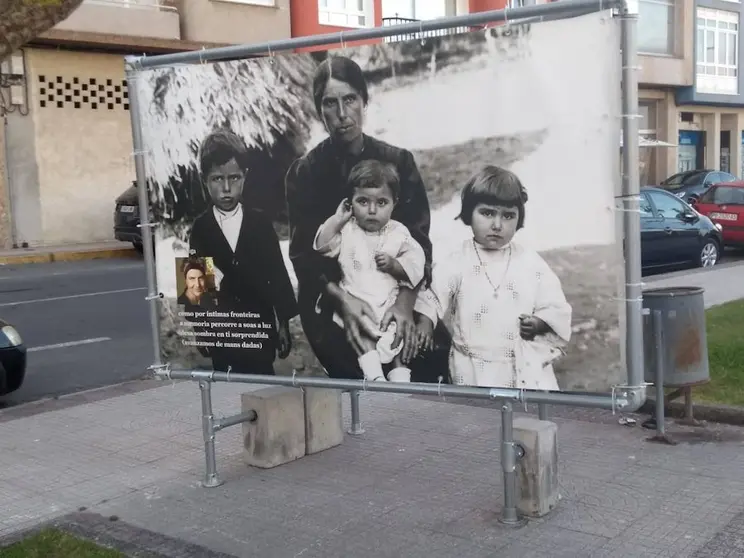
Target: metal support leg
x=211, y=479
x=356, y=423
x=660, y=364
x=510, y=452
x=689, y=419
x=542, y=411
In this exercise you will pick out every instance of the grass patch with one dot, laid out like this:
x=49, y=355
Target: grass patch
x=725, y=329
x=53, y=543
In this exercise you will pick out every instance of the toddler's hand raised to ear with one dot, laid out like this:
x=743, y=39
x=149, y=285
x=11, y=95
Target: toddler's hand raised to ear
x=343, y=211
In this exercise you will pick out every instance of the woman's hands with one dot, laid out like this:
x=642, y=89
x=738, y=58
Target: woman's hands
x=359, y=321
x=402, y=314
x=424, y=334
x=357, y=316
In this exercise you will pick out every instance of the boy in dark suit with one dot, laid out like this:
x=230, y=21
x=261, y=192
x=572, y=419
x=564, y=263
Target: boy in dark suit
x=255, y=296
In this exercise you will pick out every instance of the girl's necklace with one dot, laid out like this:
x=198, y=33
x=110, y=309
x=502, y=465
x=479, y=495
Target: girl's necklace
x=485, y=270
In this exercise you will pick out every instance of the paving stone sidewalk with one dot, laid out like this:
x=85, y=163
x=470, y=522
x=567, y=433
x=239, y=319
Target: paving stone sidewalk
x=423, y=481
x=722, y=284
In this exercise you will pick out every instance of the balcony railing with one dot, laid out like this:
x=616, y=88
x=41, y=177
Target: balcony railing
x=392, y=21
x=159, y=5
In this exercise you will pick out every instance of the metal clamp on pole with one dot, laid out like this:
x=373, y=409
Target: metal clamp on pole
x=211, y=479
x=510, y=453
x=160, y=371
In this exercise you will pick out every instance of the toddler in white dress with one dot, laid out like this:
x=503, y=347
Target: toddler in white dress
x=376, y=254
x=503, y=305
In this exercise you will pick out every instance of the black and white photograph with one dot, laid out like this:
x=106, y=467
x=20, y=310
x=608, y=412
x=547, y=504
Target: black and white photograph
x=425, y=210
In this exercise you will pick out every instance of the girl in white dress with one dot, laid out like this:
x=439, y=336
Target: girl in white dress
x=376, y=254
x=504, y=307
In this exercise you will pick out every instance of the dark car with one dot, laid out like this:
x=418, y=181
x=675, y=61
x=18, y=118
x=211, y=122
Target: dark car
x=127, y=219
x=674, y=233
x=12, y=359
x=690, y=185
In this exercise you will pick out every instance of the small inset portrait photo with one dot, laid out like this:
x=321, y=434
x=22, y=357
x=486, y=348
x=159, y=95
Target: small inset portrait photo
x=195, y=282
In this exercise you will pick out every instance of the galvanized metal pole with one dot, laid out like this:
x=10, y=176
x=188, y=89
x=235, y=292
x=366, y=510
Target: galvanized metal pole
x=509, y=456
x=631, y=200
x=660, y=364
x=211, y=479
x=542, y=411
x=598, y=401
x=551, y=10
x=227, y=422
x=153, y=296
x=356, y=422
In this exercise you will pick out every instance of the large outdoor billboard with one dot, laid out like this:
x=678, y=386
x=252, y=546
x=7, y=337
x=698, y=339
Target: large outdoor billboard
x=420, y=210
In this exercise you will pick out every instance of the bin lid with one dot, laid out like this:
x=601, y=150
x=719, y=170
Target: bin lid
x=669, y=292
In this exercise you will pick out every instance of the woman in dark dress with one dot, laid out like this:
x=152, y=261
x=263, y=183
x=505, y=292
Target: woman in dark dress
x=316, y=184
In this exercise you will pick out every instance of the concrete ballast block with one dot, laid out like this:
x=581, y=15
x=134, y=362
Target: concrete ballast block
x=324, y=426
x=537, y=471
x=277, y=436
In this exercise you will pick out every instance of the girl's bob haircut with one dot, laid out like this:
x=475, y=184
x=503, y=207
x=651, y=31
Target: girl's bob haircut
x=493, y=185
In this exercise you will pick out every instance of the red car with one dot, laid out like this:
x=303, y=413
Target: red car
x=724, y=204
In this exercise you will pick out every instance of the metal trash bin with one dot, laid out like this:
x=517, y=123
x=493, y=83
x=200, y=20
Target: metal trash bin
x=684, y=338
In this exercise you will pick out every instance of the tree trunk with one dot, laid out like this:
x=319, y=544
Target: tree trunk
x=23, y=20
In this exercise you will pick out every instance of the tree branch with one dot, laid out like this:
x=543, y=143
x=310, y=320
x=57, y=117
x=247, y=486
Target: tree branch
x=24, y=20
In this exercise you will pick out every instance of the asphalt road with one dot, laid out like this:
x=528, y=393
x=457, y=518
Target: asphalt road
x=86, y=323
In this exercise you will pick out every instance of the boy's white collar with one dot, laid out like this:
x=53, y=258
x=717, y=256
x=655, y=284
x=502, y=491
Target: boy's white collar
x=227, y=214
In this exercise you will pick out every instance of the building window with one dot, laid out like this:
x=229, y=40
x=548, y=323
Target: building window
x=346, y=13
x=717, y=60
x=417, y=9
x=656, y=21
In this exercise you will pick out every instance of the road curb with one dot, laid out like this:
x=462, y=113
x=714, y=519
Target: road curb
x=724, y=414
x=68, y=256
x=93, y=395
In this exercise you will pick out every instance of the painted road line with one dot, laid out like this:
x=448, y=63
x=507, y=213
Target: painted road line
x=69, y=344
x=83, y=295
x=45, y=274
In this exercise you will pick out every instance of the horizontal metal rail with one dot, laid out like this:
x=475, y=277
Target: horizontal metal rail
x=617, y=400
x=551, y=10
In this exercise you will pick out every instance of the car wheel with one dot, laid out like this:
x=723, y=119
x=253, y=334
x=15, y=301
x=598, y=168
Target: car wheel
x=709, y=254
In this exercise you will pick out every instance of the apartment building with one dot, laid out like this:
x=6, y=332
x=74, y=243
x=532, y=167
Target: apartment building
x=65, y=133
x=691, y=91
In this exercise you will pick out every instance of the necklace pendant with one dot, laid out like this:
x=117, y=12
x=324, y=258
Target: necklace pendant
x=495, y=294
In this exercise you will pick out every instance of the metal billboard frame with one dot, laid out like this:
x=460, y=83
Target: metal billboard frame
x=626, y=398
